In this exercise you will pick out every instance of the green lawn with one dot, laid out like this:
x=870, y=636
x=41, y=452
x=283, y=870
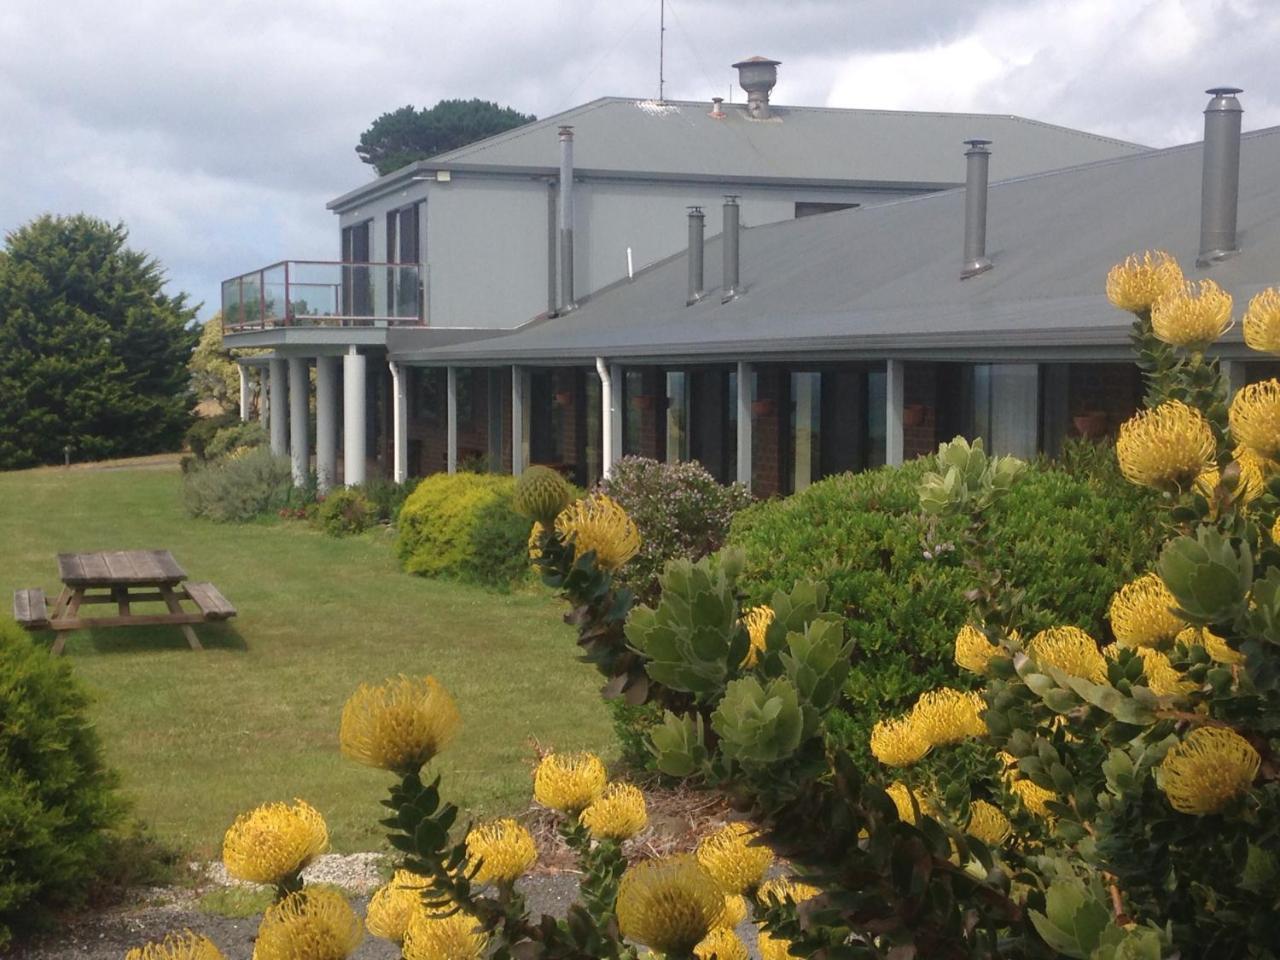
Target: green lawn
x=199, y=737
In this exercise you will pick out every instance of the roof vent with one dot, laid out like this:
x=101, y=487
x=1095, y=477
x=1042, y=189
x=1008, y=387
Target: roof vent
x=757, y=76
x=729, y=241
x=697, y=233
x=977, y=158
x=1220, y=183
x=717, y=108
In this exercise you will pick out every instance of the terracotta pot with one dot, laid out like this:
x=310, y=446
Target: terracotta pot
x=763, y=408
x=913, y=414
x=1092, y=424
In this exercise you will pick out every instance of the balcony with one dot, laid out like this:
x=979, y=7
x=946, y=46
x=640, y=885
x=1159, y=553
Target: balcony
x=318, y=293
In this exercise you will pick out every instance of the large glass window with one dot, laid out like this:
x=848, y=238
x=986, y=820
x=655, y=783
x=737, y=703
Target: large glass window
x=806, y=428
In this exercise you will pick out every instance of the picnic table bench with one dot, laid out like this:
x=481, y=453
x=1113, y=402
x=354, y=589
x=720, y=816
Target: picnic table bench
x=122, y=578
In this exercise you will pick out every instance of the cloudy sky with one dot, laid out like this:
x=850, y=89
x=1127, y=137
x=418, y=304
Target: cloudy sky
x=218, y=130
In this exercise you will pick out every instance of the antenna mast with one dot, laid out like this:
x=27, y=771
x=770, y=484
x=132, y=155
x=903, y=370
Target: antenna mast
x=662, y=40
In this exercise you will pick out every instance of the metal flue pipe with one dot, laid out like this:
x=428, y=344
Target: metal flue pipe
x=565, y=220
x=697, y=237
x=977, y=159
x=1220, y=178
x=729, y=240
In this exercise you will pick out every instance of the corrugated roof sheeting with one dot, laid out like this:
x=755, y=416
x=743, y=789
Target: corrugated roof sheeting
x=885, y=278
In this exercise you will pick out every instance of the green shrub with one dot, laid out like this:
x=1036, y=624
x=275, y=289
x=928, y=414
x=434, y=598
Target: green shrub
x=680, y=511
x=200, y=433
x=345, y=511
x=897, y=579
x=463, y=525
x=237, y=436
x=387, y=496
x=239, y=488
x=56, y=796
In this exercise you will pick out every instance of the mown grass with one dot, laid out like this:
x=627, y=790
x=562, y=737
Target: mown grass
x=199, y=737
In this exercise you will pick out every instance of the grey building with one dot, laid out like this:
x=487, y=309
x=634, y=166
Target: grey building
x=517, y=231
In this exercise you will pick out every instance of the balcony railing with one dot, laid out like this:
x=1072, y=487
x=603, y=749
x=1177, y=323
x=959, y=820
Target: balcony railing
x=319, y=293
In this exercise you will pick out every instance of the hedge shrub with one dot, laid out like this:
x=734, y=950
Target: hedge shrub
x=346, y=511
x=237, y=437
x=239, y=488
x=1069, y=542
x=680, y=509
x=56, y=795
x=463, y=526
x=200, y=433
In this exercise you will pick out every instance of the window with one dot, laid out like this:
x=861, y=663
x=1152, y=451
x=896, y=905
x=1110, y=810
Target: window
x=677, y=416
x=806, y=429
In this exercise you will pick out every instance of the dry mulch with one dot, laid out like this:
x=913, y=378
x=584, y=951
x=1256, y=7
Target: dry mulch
x=678, y=818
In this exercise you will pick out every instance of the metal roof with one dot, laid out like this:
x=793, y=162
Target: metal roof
x=614, y=136
x=884, y=280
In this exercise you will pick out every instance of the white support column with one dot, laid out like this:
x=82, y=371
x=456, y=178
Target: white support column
x=746, y=373
x=246, y=392
x=616, y=374
x=451, y=418
x=517, y=421
x=399, y=421
x=1233, y=373
x=608, y=439
x=353, y=417
x=894, y=381
x=326, y=423
x=299, y=419
x=277, y=371
x=263, y=405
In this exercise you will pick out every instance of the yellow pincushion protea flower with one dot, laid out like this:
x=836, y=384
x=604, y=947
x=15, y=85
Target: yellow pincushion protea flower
x=1192, y=315
x=735, y=911
x=782, y=888
x=599, y=523
x=619, y=813
x=988, y=823
x=312, y=924
x=394, y=904
x=897, y=742
x=1070, y=650
x=274, y=842
x=669, y=905
x=1251, y=484
x=722, y=943
x=734, y=858
x=946, y=716
x=399, y=725
x=1262, y=321
x=503, y=848
x=902, y=795
x=1137, y=283
x=757, y=621
x=1163, y=679
x=973, y=650
x=1217, y=648
x=454, y=937
x=1207, y=770
x=178, y=946
x=568, y=782
x=773, y=948
x=1142, y=614
x=535, y=540
x=1255, y=418
x=1034, y=797
x=1166, y=447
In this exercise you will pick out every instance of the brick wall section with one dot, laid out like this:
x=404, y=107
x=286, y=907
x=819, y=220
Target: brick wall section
x=920, y=402
x=1113, y=389
x=769, y=431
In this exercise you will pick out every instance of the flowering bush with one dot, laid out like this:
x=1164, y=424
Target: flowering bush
x=345, y=511
x=679, y=509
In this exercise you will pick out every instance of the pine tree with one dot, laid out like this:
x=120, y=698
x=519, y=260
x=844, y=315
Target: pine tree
x=93, y=353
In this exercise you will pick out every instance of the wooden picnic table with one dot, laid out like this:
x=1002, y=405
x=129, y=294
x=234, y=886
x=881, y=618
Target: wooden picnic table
x=123, y=578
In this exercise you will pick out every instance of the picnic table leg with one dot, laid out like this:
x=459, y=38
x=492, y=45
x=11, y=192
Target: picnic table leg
x=122, y=600
x=60, y=605
x=71, y=608
x=171, y=600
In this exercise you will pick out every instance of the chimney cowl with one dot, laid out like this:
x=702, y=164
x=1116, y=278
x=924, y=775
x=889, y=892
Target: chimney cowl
x=757, y=76
x=717, y=108
x=1220, y=176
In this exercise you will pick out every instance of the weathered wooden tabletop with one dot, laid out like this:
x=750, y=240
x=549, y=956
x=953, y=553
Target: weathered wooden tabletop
x=119, y=568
